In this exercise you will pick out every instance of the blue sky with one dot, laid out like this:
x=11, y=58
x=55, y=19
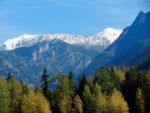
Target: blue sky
x=79, y=17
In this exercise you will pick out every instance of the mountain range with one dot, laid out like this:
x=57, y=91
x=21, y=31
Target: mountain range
x=27, y=55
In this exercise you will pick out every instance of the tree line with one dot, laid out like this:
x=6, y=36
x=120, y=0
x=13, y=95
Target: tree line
x=108, y=90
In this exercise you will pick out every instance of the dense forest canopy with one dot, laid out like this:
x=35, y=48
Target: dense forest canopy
x=109, y=90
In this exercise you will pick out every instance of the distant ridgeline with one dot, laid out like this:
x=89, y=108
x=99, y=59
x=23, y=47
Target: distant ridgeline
x=130, y=49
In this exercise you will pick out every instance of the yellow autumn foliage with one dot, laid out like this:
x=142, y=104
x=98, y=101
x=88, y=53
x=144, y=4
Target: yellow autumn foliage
x=35, y=103
x=117, y=104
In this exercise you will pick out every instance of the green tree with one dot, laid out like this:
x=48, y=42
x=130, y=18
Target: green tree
x=44, y=81
x=104, y=79
x=146, y=90
x=63, y=95
x=140, y=101
x=129, y=88
x=88, y=100
x=4, y=96
x=25, y=89
x=9, y=77
x=117, y=77
x=15, y=94
x=72, y=84
x=82, y=83
x=99, y=99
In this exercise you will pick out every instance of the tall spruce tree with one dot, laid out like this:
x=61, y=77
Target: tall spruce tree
x=63, y=95
x=44, y=81
x=129, y=88
x=15, y=94
x=140, y=103
x=82, y=83
x=146, y=90
x=9, y=77
x=4, y=96
x=72, y=84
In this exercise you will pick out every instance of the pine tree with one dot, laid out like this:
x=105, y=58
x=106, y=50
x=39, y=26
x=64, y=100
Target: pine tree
x=104, y=79
x=72, y=85
x=82, y=83
x=25, y=89
x=146, y=90
x=99, y=99
x=130, y=87
x=4, y=96
x=140, y=101
x=15, y=94
x=63, y=95
x=88, y=100
x=44, y=81
x=9, y=77
x=116, y=78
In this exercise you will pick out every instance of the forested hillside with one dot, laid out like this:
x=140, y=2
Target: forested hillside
x=109, y=90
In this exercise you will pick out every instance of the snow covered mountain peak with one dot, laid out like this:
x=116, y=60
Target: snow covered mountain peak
x=102, y=39
x=110, y=33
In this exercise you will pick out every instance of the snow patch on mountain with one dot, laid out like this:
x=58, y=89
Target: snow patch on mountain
x=104, y=38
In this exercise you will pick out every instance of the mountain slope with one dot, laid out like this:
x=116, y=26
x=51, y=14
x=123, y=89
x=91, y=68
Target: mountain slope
x=129, y=49
x=57, y=56
x=26, y=56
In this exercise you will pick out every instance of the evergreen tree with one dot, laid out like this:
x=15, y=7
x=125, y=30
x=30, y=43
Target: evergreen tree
x=116, y=77
x=25, y=89
x=15, y=94
x=88, y=100
x=104, y=79
x=82, y=83
x=9, y=77
x=129, y=88
x=72, y=84
x=99, y=99
x=4, y=96
x=140, y=101
x=146, y=90
x=44, y=81
x=63, y=95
